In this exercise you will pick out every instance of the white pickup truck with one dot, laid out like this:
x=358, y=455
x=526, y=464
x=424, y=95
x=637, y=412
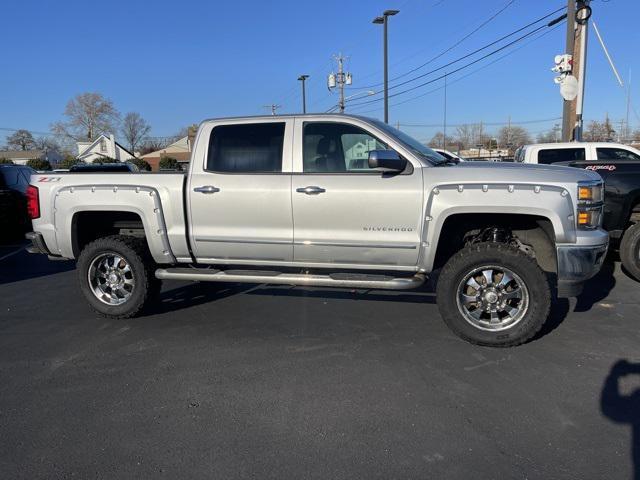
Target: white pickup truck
x=331, y=201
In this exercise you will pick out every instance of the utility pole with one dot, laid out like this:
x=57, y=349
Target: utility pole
x=303, y=79
x=444, y=120
x=384, y=21
x=273, y=108
x=339, y=80
x=568, y=106
x=578, y=14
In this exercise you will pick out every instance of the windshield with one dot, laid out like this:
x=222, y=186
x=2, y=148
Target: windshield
x=412, y=144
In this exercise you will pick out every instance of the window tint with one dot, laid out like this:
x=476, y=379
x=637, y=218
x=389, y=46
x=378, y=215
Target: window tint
x=616, y=154
x=337, y=147
x=255, y=147
x=553, y=155
x=10, y=176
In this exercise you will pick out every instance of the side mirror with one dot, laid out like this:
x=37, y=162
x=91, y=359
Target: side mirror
x=386, y=161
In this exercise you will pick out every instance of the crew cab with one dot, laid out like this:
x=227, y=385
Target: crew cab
x=619, y=166
x=331, y=200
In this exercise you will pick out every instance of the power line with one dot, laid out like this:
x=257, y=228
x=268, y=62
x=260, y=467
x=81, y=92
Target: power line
x=447, y=50
x=457, y=69
x=504, y=37
x=468, y=74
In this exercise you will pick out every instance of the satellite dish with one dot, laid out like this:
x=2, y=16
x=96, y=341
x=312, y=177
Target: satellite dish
x=569, y=88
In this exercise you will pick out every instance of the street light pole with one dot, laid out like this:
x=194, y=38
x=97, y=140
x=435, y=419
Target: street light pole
x=303, y=79
x=384, y=20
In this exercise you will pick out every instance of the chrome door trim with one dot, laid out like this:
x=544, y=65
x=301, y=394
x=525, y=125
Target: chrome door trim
x=357, y=245
x=234, y=240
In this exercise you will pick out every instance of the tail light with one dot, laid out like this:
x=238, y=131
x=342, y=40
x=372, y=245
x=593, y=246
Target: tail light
x=33, y=202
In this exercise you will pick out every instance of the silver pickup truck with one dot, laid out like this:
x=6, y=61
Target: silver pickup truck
x=331, y=201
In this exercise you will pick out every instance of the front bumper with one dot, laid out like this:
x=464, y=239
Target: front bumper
x=576, y=265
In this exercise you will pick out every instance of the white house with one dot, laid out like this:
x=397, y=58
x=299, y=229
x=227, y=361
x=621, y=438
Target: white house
x=101, y=147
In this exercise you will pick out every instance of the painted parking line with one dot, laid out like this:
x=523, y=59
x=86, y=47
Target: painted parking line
x=12, y=253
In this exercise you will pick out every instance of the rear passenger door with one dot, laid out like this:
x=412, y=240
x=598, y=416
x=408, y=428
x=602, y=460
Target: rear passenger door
x=240, y=195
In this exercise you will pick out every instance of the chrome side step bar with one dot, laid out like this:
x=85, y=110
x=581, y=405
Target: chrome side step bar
x=344, y=280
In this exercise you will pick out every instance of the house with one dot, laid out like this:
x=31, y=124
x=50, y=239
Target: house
x=180, y=150
x=21, y=157
x=101, y=147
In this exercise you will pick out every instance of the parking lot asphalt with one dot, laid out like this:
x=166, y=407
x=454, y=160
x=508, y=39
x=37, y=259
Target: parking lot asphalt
x=245, y=381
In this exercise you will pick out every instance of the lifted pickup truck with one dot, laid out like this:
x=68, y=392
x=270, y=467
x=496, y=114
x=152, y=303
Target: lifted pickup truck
x=619, y=167
x=331, y=201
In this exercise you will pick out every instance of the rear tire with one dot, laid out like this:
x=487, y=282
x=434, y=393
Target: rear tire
x=116, y=275
x=630, y=250
x=493, y=294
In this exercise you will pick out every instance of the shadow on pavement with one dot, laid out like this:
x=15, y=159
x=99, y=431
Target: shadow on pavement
x=194, y=294
x=624, y=409
x=23, y=266
x=597, y=288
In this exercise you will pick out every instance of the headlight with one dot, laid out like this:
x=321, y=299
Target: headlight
x=590, y=205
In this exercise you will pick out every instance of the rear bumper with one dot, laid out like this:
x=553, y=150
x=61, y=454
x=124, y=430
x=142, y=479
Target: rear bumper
x=576, y=265
x=37, y=243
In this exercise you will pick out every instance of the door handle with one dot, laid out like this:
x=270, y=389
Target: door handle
x=206, y=189
x=311, y=190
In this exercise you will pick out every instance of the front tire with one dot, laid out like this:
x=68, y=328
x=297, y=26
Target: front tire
x=494, y=295
x=116, y=275
x=630, y=250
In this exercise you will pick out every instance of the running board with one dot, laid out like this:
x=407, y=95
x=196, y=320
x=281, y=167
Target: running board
x=343, y=280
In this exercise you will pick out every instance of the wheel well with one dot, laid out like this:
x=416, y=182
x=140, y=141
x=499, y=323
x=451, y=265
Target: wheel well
x=634, y=215
x=529, y=230
x=89, y=226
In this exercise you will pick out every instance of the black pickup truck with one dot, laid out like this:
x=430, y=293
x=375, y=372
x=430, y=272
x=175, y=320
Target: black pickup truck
x=619, y=167
x=621, y=206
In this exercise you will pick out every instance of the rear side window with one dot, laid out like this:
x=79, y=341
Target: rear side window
x=10, y=176
x=616, y=154
x=553, y=155
x=246, y=148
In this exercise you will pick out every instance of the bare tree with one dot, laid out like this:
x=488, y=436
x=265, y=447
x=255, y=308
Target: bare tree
x=599, y=131
x=134, y=129
x=21, y=140
x=513, y=136
x=437, y=140
x=47, y=144
x=88, y=115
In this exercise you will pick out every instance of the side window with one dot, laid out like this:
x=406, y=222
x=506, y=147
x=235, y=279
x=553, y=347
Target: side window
x=246, y=148
x=616, y=154
x=553, y=155
x=11, y=176
x=337, y=148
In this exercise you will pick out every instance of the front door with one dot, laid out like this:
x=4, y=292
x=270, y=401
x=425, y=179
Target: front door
x=346, y=213
x=240, y=199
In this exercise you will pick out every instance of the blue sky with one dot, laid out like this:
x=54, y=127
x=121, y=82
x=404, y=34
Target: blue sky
x=177, y=63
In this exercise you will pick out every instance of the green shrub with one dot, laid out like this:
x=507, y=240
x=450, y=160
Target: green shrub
x=143, y=165
x=169, y=163
x=39, y=164
x=69, y=161
x=5, y=161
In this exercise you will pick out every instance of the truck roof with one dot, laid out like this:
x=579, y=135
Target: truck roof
x=577, y=144
x=289, y=115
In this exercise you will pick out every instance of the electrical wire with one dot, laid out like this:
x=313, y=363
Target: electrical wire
x=447, y=50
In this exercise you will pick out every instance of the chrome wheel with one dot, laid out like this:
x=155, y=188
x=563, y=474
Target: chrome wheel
x=111, y=278
x=492, y=298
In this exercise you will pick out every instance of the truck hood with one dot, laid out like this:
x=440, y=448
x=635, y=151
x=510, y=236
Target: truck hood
x=489, y=172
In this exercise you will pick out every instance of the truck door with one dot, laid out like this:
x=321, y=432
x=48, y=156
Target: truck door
x=346, y=213
x=239, y=193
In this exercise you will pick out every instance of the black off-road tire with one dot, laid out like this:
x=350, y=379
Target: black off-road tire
x=136, y=252
x=630, y=250
x=500, y=255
